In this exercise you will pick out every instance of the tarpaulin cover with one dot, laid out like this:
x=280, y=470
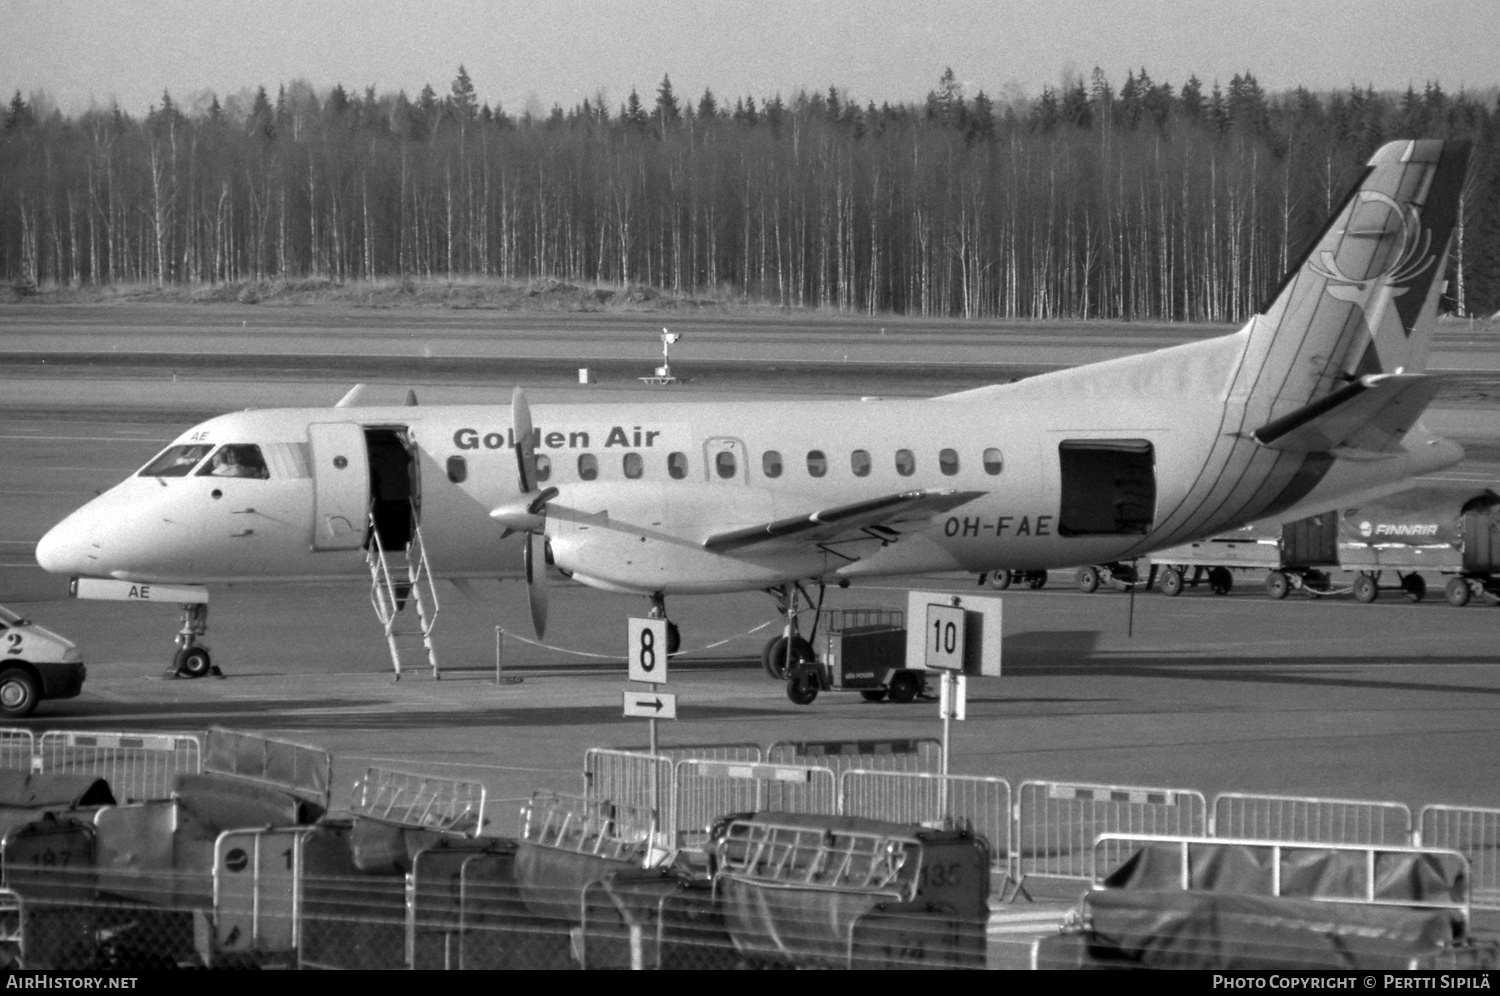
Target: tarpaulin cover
x=215, y=803
x=1306, y=872
x=293, y=767
x=21, y=790
x=380, y=848
x=551, y=879
x=812, y=925
x=1203, y=930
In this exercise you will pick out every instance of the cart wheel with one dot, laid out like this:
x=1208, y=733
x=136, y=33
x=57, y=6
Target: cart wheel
x=1414, y=587
x=999, y=580
x=1088, y=579
x=1036, y=580
x=1220, y=580
x=802, y=686
x=773, y=658
x=1277, y=584
x=1457, y=592
x=1171, y=582
x=873, y=694
x=904, y=687
x=1365, y=588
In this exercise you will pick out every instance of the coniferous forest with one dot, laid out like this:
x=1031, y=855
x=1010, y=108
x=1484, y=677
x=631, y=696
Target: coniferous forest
x=1141, y=200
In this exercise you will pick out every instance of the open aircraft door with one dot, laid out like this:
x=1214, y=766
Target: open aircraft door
x=341, y=485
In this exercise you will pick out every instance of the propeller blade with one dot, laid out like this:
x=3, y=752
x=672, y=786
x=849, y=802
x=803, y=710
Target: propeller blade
x=535, y=555
x=520, y=420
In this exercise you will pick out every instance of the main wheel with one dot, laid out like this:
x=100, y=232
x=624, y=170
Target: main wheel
x=1171, y=582
x=1457, y=592
x=1414, y=587
x=674, y=638
x=1036, y=580
x=19, y=693
x=873, y=694
x=1365, y=588
x=192, y=662
x=999, y=580
x=774, y=657
x=1088, y=579
x=802, y=686
x=1277, y=584
x=904, y=687
x=1220, y=580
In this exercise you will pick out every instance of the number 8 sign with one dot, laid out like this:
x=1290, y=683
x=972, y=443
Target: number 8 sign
x=647, y=651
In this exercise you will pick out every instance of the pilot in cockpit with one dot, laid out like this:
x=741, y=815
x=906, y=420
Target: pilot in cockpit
x=237, y=461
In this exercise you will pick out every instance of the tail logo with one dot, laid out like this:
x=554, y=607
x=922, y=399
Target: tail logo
x=1411, y=260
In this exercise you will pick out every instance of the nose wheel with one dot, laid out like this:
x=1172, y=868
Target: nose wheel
x=659, y=611
x=192, y=659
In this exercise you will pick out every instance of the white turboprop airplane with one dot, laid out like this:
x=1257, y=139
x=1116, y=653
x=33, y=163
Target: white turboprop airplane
x=1313, y=402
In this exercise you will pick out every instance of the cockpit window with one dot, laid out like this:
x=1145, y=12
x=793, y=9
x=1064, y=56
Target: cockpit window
x=236, y=460
x=175, y=461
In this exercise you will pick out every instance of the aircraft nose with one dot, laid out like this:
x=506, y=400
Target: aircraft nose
x=66, y=549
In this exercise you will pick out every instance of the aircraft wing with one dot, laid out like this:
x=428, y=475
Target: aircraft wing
x=881, y=517
x=1371, y=414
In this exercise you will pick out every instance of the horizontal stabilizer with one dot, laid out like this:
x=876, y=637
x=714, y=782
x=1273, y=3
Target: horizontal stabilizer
x=1372, y=414
x=830, y=523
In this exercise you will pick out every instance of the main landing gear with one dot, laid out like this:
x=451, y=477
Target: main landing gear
x=786, y=652
x=192, y=659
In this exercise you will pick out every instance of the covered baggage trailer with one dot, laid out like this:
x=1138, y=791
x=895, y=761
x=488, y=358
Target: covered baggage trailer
x=1298, y=556
x=1433, y=529
x=846, y=892
x=1223, y=904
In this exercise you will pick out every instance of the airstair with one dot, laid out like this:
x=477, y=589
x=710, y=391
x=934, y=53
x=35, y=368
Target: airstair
x=396, y=578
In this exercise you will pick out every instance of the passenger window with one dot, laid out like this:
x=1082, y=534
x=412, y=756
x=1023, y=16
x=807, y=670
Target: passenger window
x=992, y=461
x=588, y=466
x=175, y=461
x=632, y=466
x=906, y=463
x=817, y=463
x=543, y=467
x=677, y=466
x=859, y=462
x=724, y=464
x=458, y=469
x=948, y=462
x=236, y=461
x=770, y=463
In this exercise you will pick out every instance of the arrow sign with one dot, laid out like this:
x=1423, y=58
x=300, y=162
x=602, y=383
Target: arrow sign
x=651, y=705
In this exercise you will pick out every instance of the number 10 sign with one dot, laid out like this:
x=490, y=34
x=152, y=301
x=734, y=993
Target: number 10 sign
x=945, y=638
x=648, y=651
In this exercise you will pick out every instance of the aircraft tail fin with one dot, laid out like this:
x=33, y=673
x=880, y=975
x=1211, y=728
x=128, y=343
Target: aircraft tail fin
x=1363, y=301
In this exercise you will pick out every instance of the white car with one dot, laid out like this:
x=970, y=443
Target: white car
x=35, y=664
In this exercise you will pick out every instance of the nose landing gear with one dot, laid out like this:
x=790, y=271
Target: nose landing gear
x=192, y=660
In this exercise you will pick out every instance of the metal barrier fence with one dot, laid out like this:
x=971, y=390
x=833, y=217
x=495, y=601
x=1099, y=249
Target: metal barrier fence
x=137, y=766
x=982, y=803
x=630, y=778
x=17, y=748
x=914, y=754
x=1058, y=822
x=704, y=791
x=444, y=804
x=1325, y=821
x=1473, y=832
